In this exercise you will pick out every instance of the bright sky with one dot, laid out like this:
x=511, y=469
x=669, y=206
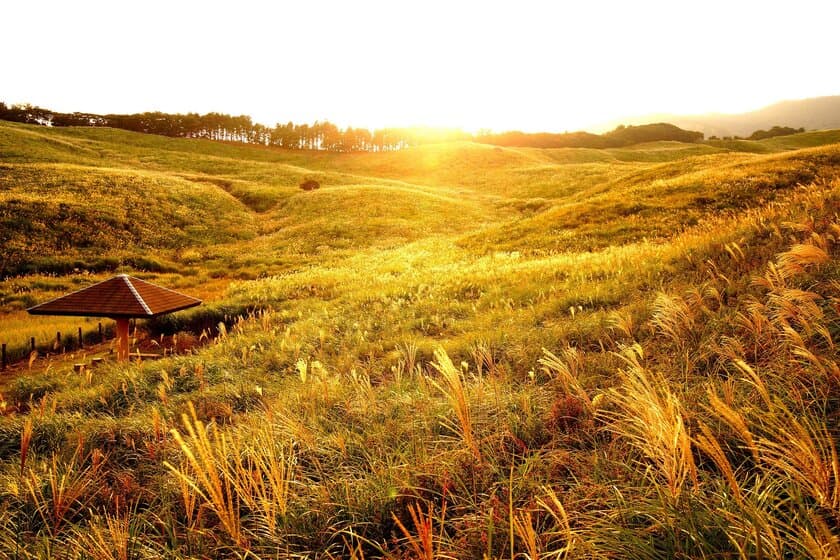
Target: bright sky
x=518, y=64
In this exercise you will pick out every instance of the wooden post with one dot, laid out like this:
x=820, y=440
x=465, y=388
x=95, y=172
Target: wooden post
x=81, y=343
x=58, y=340
x=32, y=344
x=3, y=359
x=122, y=340
x=101, y=336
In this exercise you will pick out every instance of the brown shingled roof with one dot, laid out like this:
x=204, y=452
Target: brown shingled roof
x=122, y=296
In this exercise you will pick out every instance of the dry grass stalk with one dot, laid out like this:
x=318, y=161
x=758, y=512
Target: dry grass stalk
x=708, y=443
x=205, y=460
x=523, y=525
x=790, y=306
x=674, y=318
x=229, y=473
x=756, y=381
x=623, y=323
x=805, y=452
x=25, y=440
x=552, y=504
x=650, y=417
x=484, y=359
x=264, y=480
x=754, y=528
x=112, y=540
x=820, y=542
x=453, y=388
x=422, y=541
x=188, y=495
x=799, y=258
x=734, y=420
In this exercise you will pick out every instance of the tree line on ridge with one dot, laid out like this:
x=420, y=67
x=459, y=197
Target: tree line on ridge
x=324, y=135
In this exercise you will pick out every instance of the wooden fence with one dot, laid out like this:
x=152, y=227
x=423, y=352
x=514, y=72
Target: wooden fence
x=97, y=336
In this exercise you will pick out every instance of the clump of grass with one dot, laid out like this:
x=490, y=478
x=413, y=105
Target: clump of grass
x=567, y=370
x=60, y=490
x=310, y=185
x=804, y=451
x=230, y=472
x=110, y=537
x=673, y=317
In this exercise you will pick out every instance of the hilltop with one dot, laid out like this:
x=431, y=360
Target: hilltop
x=450, y=350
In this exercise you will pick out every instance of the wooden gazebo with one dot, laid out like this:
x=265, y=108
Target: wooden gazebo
x=120, y=298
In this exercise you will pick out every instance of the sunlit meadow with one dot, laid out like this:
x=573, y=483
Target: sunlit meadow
x=449, y=351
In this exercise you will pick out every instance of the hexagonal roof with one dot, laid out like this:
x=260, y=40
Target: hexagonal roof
x=122, y=296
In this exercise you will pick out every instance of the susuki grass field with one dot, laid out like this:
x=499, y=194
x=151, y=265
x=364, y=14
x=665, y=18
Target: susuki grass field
x=452, y=351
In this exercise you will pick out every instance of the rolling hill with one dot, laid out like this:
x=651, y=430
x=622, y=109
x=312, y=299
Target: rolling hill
x=454, y=350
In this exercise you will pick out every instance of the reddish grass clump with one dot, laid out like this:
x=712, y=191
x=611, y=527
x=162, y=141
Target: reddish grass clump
x=566, y=413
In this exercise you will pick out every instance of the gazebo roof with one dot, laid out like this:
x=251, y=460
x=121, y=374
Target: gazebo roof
x=122, y=297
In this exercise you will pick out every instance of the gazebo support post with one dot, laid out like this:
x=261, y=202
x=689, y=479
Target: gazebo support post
x=122, y=340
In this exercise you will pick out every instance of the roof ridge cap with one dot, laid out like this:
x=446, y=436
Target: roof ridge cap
x=137, y=295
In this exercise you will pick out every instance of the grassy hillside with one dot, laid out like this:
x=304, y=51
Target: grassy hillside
x=451, y=351
x=657, y=201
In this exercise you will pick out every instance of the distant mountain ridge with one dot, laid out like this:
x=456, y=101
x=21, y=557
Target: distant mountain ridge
x=816, y=113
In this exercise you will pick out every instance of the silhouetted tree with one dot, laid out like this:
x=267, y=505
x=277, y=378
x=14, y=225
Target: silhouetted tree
x=773, y=132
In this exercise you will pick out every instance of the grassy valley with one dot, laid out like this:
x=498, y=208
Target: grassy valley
x=453, y=350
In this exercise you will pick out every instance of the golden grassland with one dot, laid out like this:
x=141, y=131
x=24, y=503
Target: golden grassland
x=454, y=351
